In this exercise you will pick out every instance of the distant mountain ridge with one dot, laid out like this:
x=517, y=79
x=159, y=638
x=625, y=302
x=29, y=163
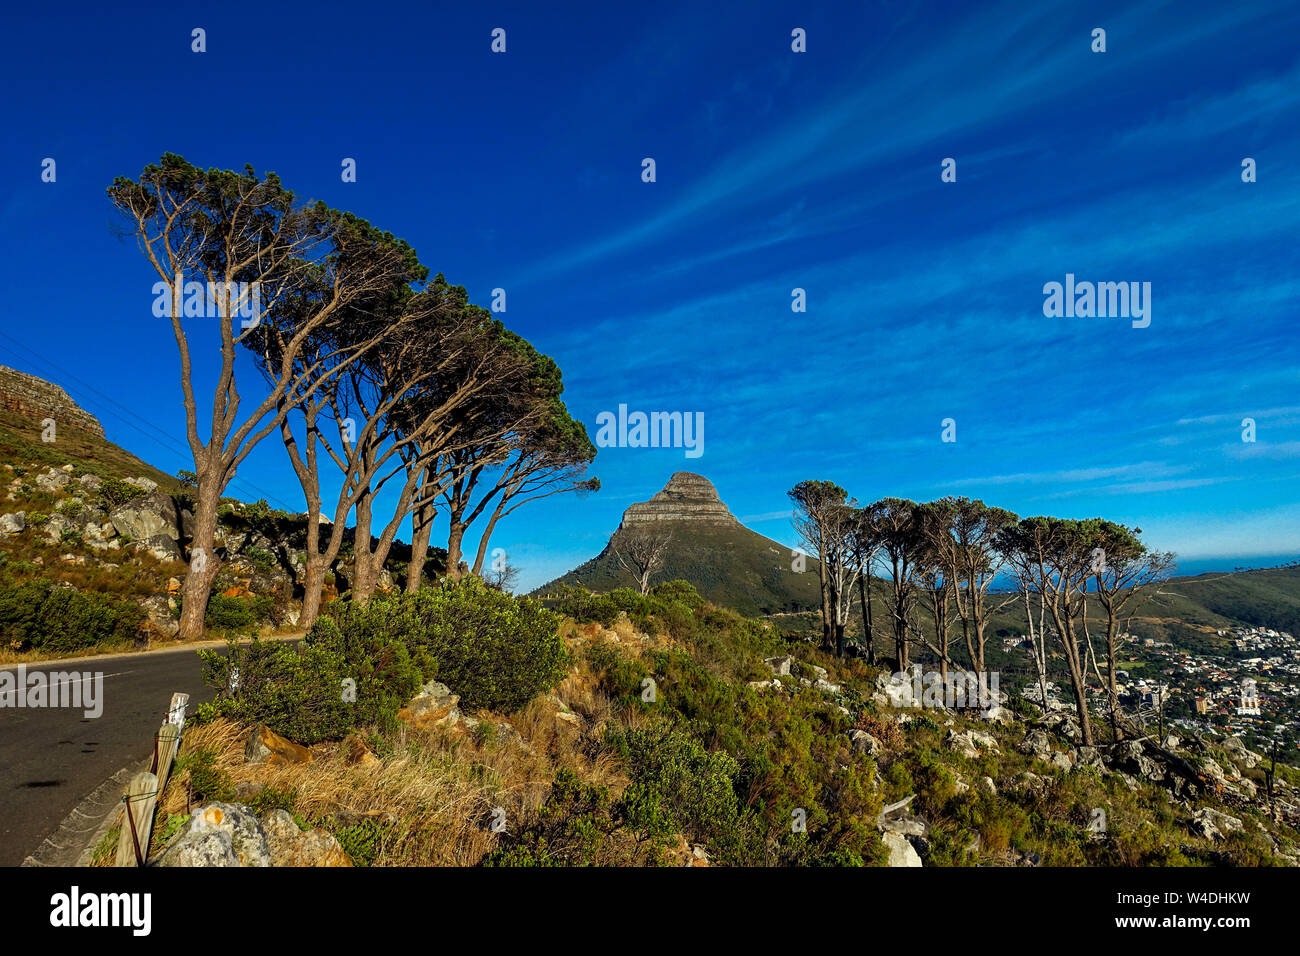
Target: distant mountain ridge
x=728, y=563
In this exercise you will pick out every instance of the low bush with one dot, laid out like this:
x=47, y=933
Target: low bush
x=309, y=693
x=235, y=614
x=38, y=615
x=495, y=650
x=116, y=492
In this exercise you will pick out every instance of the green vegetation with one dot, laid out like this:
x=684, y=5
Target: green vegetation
x=39, y=615
x=116, y=492
x=232, y=615
x=494, y=650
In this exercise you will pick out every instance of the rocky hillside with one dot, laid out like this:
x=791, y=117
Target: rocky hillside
x=685, y=735
x=729, y=564
x=78, y=512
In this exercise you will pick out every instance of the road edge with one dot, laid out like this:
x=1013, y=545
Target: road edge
x=95, y=815
x=147, y=652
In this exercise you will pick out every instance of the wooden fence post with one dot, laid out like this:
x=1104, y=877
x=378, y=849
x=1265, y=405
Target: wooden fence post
x=176, y=713
x=145, y=789
x=137, y=818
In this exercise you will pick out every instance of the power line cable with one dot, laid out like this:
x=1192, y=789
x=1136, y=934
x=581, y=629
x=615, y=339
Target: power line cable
x=162, y=438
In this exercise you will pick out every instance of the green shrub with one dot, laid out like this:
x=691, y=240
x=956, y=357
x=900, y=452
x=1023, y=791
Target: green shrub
x=38, y=615
x=678, y=786
x=206, y=781
x=300, y=692
x=232, y=614
x=116, y=492
x=365, y=840
x=570, y=829
x=495, y=650
x=261, y=559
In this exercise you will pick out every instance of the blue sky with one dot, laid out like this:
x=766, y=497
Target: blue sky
x=775, y=170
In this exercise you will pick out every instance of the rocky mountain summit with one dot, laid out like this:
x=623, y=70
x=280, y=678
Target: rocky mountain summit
x=686, y=497
x=36, y=398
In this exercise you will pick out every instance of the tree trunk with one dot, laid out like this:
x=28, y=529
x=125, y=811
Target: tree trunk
x=421, y=532
x=483, y=543
x=362, y=583
x=455, y=536
x=203, y=560
x=867, y=636
x=1065, y=631
x=313, y=583
x=826, y=602
x=900, y=633
x=1112, y=690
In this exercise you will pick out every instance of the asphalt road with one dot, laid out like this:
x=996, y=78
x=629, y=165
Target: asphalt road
x=50, y=758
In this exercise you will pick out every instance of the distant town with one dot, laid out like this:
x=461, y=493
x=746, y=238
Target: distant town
x=1249, y=690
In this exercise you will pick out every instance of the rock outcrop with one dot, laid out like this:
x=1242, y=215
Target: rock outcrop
x=686, y=497
x=229, y=835
x=34, y=397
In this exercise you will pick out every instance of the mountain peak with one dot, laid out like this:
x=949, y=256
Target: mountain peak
x=686, y=497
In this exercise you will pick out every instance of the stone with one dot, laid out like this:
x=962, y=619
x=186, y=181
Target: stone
x=1214, y=771
x=90, y=482
x=52, y=481
x=158, y=612
x=13, y=523
x=264, y=744
x=356, y=753
x=1037, y=744
x=290, y=846
x=864, y=743
x=896, y=691
x=962, y=744
x=1028, y=781
x=780, y=665
x=350, y=818
x=901, y=852
x=988, y=786
x=54, y=528
x=1214, y=824
x=819, y=672
x=997, y=714
x=1087, y=757
x=905, y=824
x=142, y=518
x=38, y=399
x=434, y=704
x=146, y=484
x=161, y=547
x=218, y=834
x=248, y=789
x=826, y=687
